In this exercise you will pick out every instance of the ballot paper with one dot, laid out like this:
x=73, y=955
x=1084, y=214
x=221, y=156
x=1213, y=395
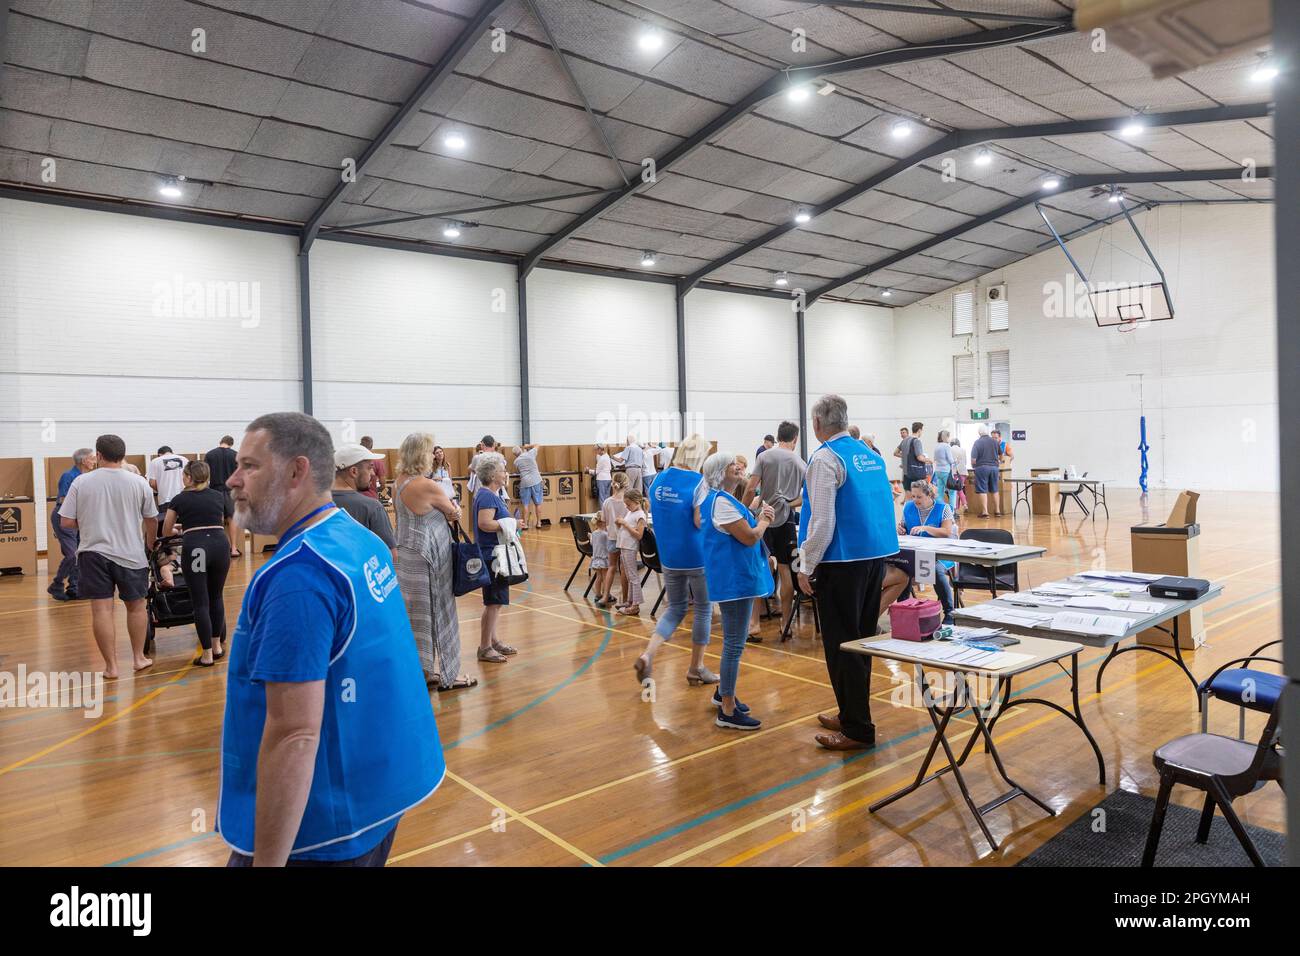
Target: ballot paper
x=1104, y=602
x=1125, y=577
x=917, y=542
x=960, y=633
x=1095, y=624
x=1034, y=599
x=948, y=654
x=1001, y=614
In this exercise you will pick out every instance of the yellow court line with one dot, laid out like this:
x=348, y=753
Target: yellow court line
x=441, y=843
x=531, y=824
x=838, y=788
x=91, y=729
x=603, y=627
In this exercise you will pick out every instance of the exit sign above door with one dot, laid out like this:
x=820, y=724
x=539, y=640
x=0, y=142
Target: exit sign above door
x=979, y=416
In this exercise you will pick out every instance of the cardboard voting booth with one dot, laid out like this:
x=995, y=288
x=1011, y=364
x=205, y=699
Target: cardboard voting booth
x=18, y=516
x=1173, y=548
x=1043, y=498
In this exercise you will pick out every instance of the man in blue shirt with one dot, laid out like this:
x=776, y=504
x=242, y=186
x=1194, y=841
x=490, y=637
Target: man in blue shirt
x=83, y=460
x=329, y=735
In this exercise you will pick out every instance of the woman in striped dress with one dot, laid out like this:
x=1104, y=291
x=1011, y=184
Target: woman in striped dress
x=424, y=568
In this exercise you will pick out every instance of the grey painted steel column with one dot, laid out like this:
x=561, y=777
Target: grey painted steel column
x=522, y=302
x=803, y=381
x=1286, y=131
x=304, y=326
x=681, y=356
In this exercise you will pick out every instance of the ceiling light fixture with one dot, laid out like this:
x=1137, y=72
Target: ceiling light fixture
x=1051, y=183
x=1266, y=71
x=797, y=93
x=901, y=129
x=782, y=279
x=983, y=157
x=648, y=260
x=1132, y=128
x=171, y=187
x=802, y=215
x=1116, y=195
x=650, y=40
x=887, y=293
x=454, y=140
x=451, y=230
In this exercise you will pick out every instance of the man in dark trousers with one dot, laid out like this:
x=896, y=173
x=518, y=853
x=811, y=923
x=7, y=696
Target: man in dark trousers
x=83, y=460
x=221, y=462
x=846, y=530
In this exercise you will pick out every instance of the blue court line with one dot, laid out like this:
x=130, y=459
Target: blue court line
x=126, y=860
x=746, y=801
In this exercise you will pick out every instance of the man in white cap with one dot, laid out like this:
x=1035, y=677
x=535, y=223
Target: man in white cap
x=353, y=474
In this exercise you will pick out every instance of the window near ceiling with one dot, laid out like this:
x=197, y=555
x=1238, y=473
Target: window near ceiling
x=963, y=376
x=963, y=313
x=1000, y=374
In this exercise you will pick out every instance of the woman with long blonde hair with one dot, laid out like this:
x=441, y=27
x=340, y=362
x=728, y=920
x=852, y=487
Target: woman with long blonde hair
x=424, y=563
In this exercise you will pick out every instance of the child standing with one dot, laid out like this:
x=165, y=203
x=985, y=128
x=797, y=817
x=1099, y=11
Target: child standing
x=630, y=529
x=599, y=547
x=611, y=512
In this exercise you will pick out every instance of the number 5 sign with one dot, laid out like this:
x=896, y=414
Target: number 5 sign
x=925, y=561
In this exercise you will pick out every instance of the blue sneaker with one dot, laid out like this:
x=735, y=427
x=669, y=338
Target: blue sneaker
x=717, y=702
x=737, y=721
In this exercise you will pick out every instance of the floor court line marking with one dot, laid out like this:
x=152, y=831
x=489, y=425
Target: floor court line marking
x=531, y=824
x=806, y=680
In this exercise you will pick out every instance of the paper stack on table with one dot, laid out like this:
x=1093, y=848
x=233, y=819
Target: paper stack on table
x=1098, y=624
x=1001, y=614
x=948, y=654
x=916, y=542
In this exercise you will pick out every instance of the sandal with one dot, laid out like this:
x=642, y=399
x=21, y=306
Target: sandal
x=236, y=554
x=459, y=683
x=200, y=662
x=643, y=668
x=630, y=610
x=492, y=656
x=702, y=676
x=505, y=649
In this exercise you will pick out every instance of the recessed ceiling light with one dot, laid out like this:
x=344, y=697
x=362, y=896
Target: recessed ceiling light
x=1051, y=183
x=650, y=40
x=1266, y=71
x=648, y=260
x=983, y=158
x=901, y=129
x=171, y=187
x=798, y=93
x=451, y=230
x=802, y=215
x=1132, y=128
x=782, y=279
x=454, y=141
x=887, y=293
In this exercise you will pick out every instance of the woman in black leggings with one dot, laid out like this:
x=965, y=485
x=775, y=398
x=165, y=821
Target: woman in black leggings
x=205, y=556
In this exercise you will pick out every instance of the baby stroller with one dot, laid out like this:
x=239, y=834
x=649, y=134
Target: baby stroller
x=165, y=607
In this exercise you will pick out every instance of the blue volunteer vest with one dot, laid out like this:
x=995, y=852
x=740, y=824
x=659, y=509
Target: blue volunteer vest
x=912, y=518
x=864, y=507
x=732, y=571
x=379, y=753
x=672, y=506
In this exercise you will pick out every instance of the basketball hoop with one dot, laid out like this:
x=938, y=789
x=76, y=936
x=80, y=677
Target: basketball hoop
x=1128, y=307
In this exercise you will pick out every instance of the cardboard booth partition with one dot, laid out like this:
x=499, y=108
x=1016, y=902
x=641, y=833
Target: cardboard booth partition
x=18, y=516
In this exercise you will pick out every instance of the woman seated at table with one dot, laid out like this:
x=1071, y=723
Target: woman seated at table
x=925, y=516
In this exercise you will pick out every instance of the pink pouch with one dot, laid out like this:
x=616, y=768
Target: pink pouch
x=915, y=619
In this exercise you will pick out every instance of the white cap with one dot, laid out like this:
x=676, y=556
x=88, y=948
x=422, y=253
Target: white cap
x=345, y=456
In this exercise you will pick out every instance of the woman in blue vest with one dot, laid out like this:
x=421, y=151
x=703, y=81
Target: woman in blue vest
x=675, y=499
x=925, y=516
x=736, y=569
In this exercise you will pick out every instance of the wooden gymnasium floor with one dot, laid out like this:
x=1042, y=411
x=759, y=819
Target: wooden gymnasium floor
x=559, y=752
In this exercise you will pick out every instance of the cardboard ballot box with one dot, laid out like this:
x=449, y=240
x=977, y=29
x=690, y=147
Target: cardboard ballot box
x=18, y=516
x=567, y=491
x=1173, y=548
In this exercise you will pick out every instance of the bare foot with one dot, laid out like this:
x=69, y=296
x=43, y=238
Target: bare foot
x=141, y=663
x=110, y=673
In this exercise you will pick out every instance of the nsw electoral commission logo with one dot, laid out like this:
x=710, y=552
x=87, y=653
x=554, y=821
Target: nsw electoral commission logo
x=380, y=580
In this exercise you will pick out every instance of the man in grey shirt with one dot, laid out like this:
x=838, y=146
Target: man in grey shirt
x=530, y=484
x=353, y=475
x=778, y=481
x=114, y=514
x=632, y=458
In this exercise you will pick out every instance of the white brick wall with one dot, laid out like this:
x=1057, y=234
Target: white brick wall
x=1210, y=375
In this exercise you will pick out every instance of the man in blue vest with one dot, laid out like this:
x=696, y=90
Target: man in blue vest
x=846, y=530
x=329, y=736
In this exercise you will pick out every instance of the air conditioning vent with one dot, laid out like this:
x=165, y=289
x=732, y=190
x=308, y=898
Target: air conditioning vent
x=996, y=293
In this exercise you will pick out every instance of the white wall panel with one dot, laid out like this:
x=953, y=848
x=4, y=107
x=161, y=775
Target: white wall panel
x=1209, y=375
x=602, y=358
x=403, y=341
x=742, y=370
x=161, y=332
x=850, y=351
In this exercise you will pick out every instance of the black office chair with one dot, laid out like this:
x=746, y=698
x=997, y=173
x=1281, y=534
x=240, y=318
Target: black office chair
x=796, y=607
x=1076, y=493
x=974, y=577
x=582, y=541
x=649, y=550
x=1223, y=767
